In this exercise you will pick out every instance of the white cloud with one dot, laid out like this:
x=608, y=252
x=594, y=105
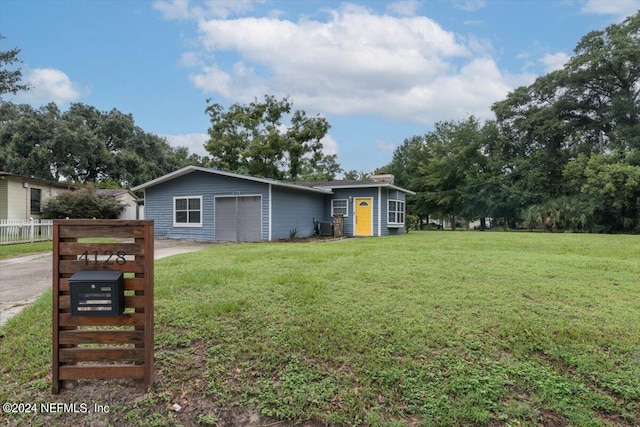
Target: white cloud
x=193, y=141
x=329, y=145
x=241, y=83
x=183, y=9
x=554, y=61
x=404, y=8
x=469, y=5
x=356, y=61
x=176, y=9
x=49, y=85
x=385, y=146
x=618, y=8
x=191, y=59
x=470, y=90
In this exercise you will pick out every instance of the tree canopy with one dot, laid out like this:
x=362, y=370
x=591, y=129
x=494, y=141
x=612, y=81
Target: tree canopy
x=83, y=144
x=254, y=139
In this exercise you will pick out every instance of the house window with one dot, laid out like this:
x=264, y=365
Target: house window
x=339, y=207
x=36, y=197
x=396, y=212
x=187, y=211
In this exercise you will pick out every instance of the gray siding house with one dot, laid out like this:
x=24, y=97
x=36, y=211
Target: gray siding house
x=209, y=204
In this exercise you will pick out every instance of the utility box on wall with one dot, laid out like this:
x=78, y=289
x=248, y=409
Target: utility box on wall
x=97, y=293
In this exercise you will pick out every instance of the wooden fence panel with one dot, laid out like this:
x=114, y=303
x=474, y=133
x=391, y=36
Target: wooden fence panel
x=103, y=347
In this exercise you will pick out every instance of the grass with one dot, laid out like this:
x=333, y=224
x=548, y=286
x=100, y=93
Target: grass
x=427, y=329
x=19, y=249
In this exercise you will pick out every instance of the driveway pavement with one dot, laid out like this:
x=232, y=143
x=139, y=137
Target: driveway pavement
x=23, y=279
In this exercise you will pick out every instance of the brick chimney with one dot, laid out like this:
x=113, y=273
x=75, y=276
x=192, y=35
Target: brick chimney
x=386, y=178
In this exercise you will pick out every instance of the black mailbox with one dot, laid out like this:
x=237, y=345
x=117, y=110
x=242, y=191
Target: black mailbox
x=97, y=293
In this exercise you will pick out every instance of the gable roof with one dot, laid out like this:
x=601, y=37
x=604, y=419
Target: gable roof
x=114, y=192
x=190, y=169
x=325, y=187
x=40, y=181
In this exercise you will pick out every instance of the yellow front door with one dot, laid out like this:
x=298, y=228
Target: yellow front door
x=363, y=216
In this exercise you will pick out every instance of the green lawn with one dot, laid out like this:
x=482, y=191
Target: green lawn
x=433, y=329
x=20, y=249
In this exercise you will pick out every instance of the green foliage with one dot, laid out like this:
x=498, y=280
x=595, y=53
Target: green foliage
x=610, y=189
x=253, y=139
x=572, y=213
x=84, y=203
x=354, y=175
x=83, y=144
x=574, y=133
x=411, y=222
x=447, y=170
x=10, y=79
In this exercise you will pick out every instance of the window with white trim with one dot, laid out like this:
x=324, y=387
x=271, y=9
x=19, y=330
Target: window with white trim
x=396, y=212
x=187, y=211
x=340, y=207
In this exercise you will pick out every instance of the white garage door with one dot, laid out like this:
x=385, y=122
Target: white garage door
x=238, y=219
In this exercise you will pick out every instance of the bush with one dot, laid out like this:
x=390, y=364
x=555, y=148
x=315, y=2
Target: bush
x=411, y=223
x=84, y=203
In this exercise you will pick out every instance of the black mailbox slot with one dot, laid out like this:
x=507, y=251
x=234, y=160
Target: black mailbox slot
x=97, y=293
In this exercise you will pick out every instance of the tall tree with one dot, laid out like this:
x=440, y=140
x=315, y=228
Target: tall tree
x=326, y=169
x=451, y=169
x=589, y=107
x=254, y=139
x=599, y=88
x=597, y=91
x=404, y=165
x=10, y=79
x=27, y=144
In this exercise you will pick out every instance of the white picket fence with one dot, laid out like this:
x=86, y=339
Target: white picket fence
x=25, y=230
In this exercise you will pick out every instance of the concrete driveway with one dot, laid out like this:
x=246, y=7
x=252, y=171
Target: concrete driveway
x=23, y=279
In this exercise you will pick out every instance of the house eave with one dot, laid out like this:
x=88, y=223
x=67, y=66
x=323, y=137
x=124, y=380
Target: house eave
x=189, y=169
x=368, y=185
x=39, y=181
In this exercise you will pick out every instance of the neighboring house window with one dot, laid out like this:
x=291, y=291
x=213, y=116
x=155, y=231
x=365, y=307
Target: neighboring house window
x=396, y=212
x=187, y=211
x=36, y=197
x=339, y=207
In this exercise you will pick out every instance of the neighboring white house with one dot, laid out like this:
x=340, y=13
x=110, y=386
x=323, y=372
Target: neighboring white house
x=21, y=197
x=126, y=198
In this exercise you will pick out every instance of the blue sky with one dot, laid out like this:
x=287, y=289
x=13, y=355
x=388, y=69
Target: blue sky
x=379, y=71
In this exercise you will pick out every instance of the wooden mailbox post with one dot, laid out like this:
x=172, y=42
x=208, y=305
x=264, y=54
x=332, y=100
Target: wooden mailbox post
x=109, y=346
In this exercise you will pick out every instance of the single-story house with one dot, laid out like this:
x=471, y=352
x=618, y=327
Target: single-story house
x=21, y=197
x=209, y=204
